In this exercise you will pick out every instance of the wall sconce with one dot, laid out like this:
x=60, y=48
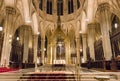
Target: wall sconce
x=116, y=25
x=80, y=31
x=10, y=40
x=17, y=38
x=81, y=50
x=100, y=36
x=1, y=28
x=83, y=60
x=60, y=44
x=10, y=36
x=38, y=33
x=44, y=49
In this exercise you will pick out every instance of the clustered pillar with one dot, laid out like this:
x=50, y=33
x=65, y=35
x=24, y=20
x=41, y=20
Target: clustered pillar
x=105, y=28
x=10, y=12
x=91, y=39
x=26, y=48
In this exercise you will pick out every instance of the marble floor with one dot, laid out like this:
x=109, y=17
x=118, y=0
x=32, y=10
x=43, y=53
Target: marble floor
x=86, y=74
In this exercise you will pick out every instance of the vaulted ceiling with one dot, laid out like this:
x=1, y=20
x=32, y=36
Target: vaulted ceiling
x=28, y=13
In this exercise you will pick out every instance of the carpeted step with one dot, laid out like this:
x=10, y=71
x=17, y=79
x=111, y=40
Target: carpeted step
x=49, y=77
x=5, y=69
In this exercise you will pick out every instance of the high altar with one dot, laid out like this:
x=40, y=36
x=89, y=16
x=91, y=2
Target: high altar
x=58, y=47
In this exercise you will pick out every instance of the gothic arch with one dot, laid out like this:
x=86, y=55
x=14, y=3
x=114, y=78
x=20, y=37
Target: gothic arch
x=18, y=23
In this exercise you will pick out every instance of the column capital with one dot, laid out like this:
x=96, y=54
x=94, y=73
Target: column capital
x=77, y=38
x=92, y=25
x=35, y=35
x=103, y=7
x=10, y=10
x=42, y=39
x=84, y=35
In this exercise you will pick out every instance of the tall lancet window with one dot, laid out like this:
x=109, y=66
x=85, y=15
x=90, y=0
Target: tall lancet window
x=70, y=6
x=49, y=7
x=78, y=3
x=59, y=7
x=41, y=5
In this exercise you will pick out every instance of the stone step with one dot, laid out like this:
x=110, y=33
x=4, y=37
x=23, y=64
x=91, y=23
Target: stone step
x=37, y=80
x=9, y=80
x=88, y=80
x=70, y=77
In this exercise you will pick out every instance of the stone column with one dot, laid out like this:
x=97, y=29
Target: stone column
x=104, y=12
x=78, y=50
x=10, y=15
x=91, y=39
x=42, y=50
x=84, y=41
x=26, y=42
x=35, y=46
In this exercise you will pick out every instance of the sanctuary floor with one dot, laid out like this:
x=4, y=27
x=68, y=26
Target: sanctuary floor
x=85, y=74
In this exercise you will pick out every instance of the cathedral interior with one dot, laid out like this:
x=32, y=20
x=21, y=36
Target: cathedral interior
x=75, y=35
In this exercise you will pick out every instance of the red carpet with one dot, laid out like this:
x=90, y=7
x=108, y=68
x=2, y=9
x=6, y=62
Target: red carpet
x=4, y=69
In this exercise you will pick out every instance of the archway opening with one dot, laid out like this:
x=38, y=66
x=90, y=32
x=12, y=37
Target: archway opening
x=22, y=48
